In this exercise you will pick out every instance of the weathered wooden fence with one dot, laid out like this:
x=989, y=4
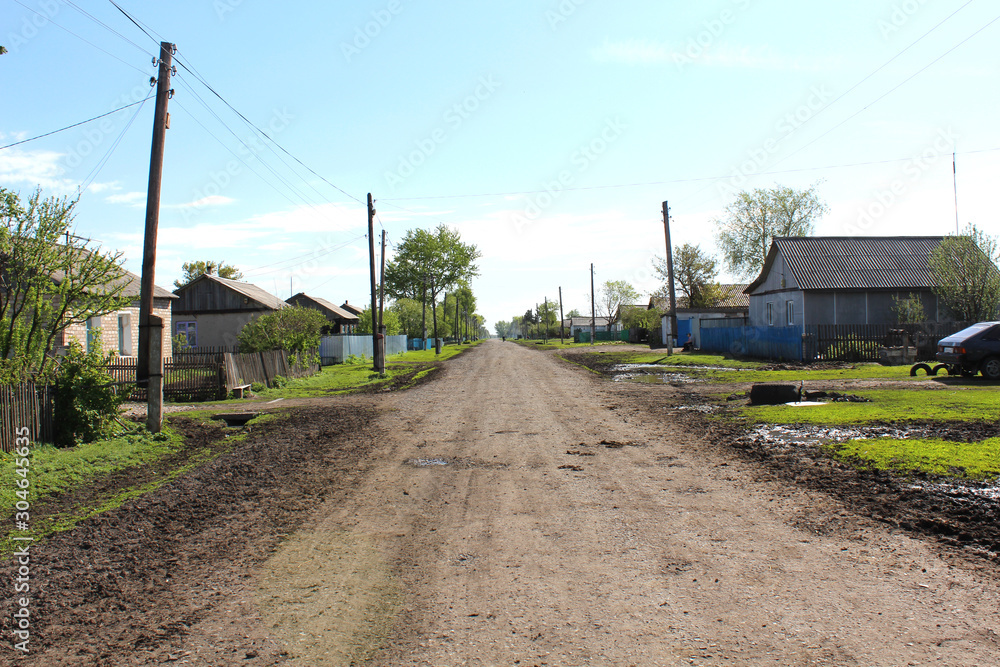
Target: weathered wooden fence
x=263, y=367
x=862, y=342
x=27, y=405
x=200, y=375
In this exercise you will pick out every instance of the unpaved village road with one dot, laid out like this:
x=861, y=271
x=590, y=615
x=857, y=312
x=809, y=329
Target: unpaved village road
x=515, y=510
x=469, y=542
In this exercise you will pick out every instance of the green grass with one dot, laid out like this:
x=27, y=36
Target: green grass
x=977, y=461
x=554, y=344
x=889, y=405
x=54, y=470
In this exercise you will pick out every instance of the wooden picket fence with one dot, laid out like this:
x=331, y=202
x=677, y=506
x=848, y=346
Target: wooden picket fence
x=27, y=405
x=199, y=375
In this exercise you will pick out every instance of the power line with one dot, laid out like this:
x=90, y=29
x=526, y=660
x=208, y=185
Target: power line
x=69, y=127
x=92, y=176
x=86, y=41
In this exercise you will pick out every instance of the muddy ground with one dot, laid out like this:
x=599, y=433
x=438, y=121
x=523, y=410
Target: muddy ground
x=517, y=510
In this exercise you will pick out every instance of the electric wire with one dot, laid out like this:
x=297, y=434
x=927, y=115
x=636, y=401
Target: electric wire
x=104, y=25
x=69, y=127
x=889, y=92
x=83, y=39
x=92, y=176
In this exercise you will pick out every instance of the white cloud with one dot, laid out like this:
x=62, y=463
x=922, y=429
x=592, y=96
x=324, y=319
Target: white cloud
x=212, y=200
x=33, y=168
x=133, y=199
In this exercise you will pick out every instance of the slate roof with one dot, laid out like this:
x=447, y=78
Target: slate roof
x=732, y=297
x=336, y=310
x=854, y=262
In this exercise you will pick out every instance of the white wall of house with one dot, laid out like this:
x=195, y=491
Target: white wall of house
x=117, y=332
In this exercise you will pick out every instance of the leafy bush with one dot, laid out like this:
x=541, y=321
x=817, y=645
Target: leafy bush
x=279, y=381
x=87, y=401
x=294, y=329
x=355, y=360
x=256, y=387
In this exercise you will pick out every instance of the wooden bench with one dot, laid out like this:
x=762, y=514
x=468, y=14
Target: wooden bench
x=240, y=389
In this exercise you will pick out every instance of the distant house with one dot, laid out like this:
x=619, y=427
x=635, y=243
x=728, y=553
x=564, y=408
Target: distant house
x=732, y=304
x=843, y=280
x=341, y=321
x=119, y=331
x=620, y=313
x=574, y=324
x=211, y=311
x=351, y=309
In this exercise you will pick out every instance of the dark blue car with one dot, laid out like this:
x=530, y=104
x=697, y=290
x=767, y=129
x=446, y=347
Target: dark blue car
x=972, y=350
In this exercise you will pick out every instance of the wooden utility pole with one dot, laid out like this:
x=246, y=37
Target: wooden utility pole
x=672, y=313
x=546, y=319
x=161, y=120
x=562, y=324
x=593, y=308
x=381, y=305
x=371, y=263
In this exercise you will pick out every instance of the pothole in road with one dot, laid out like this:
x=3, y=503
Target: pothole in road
x=425, y=463
x=450, y=462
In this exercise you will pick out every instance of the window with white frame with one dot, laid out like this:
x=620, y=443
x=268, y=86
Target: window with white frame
x=125, y=334
x=789, y=313
x=770, y=314
x=190, y=332
x=93, y=333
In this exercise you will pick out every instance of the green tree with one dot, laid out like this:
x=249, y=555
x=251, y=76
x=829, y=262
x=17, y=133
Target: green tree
x=295, y=329
x=965, y=273
x=52, y=280
x=745, y=232
x=909, y=309
x=87, y=400
x=198, y=268
x=408, y=313
x=573, y=313
x=390, y=320
x=429, y=263
x=503, y=329
x=694, y=275
x=640, y=318
x=613, y=295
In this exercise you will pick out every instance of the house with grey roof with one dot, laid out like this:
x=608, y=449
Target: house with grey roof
x=342, y=321
x=731, y=307
x=118, y=331
x=818, y=280
x=211, y=311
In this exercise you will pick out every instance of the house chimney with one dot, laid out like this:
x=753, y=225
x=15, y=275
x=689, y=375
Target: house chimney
x=209, y=268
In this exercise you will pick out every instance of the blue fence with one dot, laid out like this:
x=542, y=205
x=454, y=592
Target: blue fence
x=334, y=349
x=778, y=343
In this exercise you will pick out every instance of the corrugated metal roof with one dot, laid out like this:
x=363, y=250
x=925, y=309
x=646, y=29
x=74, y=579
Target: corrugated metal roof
x=131, y=288
x=731, y=296
x=854, y=262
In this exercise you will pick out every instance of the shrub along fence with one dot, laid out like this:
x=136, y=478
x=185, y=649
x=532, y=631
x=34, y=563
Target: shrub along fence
x=26, y=405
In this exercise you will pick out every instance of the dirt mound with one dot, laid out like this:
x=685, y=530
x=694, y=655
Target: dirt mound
x=126, y=586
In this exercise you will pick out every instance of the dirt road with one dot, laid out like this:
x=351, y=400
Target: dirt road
x=521, y=511
x=516, y=510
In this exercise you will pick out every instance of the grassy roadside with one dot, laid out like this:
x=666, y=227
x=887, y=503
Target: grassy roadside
x=555, y=344
x=905, y=456
x=953, y=401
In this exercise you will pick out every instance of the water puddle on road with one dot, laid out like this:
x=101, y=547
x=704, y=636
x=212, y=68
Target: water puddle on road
x=423, y=463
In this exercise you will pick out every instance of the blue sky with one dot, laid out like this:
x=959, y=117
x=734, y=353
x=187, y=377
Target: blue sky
x=547, y=132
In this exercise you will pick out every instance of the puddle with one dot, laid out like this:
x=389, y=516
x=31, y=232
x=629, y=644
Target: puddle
x=704, y=409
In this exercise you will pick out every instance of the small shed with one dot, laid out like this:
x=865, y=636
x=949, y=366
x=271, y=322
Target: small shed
x=341, y=321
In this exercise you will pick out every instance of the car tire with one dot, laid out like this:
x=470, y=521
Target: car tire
x=920, y=367
x=990, y=368
x=939, y=368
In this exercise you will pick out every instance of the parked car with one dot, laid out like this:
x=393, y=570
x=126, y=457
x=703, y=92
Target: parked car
x=973, y=349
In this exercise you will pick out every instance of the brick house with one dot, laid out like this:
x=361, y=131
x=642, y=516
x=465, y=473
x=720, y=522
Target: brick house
x=119, y=331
